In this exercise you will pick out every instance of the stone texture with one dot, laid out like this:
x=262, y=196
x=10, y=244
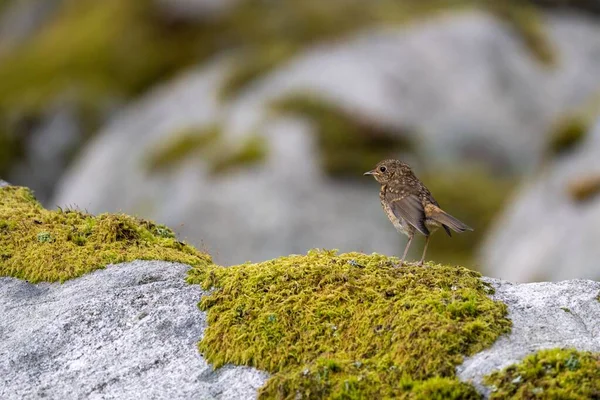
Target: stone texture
x=545, y=234
x=462, y=83
x=544, y=316
x=4, y=183
x=127, y=332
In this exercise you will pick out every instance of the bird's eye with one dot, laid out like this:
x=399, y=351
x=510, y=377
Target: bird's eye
x=383, y=169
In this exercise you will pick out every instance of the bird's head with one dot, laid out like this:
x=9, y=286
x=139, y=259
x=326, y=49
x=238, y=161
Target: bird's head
x=387, y=170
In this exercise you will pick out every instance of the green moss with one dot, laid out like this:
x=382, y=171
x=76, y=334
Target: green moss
x=209, y=145
x=473, y=195
x=349, y=325
x=549, y=374
x=42, y=245
x=349, y=145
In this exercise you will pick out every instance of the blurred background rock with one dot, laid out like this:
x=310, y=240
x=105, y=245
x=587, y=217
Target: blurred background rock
x=246, y=124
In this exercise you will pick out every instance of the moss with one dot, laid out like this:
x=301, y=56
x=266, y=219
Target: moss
x=349, y=325
x=349, y=144
x=549, y=374
x=584, y=188
x=209, y=145
x=41, y=245
x=472, y=194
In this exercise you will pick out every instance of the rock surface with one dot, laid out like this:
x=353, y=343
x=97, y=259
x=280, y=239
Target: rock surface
x=460, y=81
x=127, y=332
x=131, y=331
x=546, y=233
x=4, y=183
x=544, y=316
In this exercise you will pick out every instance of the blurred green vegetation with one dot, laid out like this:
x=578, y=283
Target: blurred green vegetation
x=96, y=52
x=571, y=128
x=210, y=145
x=349, y=144
x=473, y=195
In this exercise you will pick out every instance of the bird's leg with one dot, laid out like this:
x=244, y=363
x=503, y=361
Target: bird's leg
x=410, y=238
x=424, y=250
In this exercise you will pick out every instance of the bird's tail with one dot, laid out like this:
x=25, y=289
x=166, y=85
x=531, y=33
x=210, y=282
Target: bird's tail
x=448, y=221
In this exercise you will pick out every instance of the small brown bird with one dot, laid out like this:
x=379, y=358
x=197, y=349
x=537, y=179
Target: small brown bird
x=409, y=204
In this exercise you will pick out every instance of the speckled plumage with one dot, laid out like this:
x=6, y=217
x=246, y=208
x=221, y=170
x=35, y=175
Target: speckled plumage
x=409, y=205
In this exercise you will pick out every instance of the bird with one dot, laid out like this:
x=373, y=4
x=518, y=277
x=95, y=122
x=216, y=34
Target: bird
x=409, y=204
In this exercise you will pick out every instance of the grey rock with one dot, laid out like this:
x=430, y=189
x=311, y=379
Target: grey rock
x=4, y=183
x=460, y=80
x=48, y=149
x=21, y=19
x=126, y=332
x=544, y=316
x=545, y=234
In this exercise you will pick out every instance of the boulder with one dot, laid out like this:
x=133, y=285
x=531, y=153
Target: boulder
x=544, y=316
x=129, y=331
x=132, y=330
x=550, y=230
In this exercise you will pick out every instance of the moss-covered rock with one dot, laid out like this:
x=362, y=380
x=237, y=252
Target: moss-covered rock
x=549, y=374
x=349, y=325
x=41, y=245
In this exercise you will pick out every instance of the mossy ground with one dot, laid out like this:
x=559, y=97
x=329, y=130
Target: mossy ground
x=549, y=374
x=349, y=325
x=41, y=245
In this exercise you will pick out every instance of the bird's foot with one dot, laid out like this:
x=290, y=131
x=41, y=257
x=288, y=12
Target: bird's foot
x=399, y=265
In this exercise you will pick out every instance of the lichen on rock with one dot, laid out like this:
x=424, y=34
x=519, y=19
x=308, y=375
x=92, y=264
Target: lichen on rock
x=42, y=245
x=349, y=325
x=549, y=374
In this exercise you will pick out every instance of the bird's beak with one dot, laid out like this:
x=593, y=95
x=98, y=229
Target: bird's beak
x=369, y=173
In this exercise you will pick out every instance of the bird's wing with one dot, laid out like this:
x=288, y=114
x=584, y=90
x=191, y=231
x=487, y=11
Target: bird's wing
x=409, y=208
